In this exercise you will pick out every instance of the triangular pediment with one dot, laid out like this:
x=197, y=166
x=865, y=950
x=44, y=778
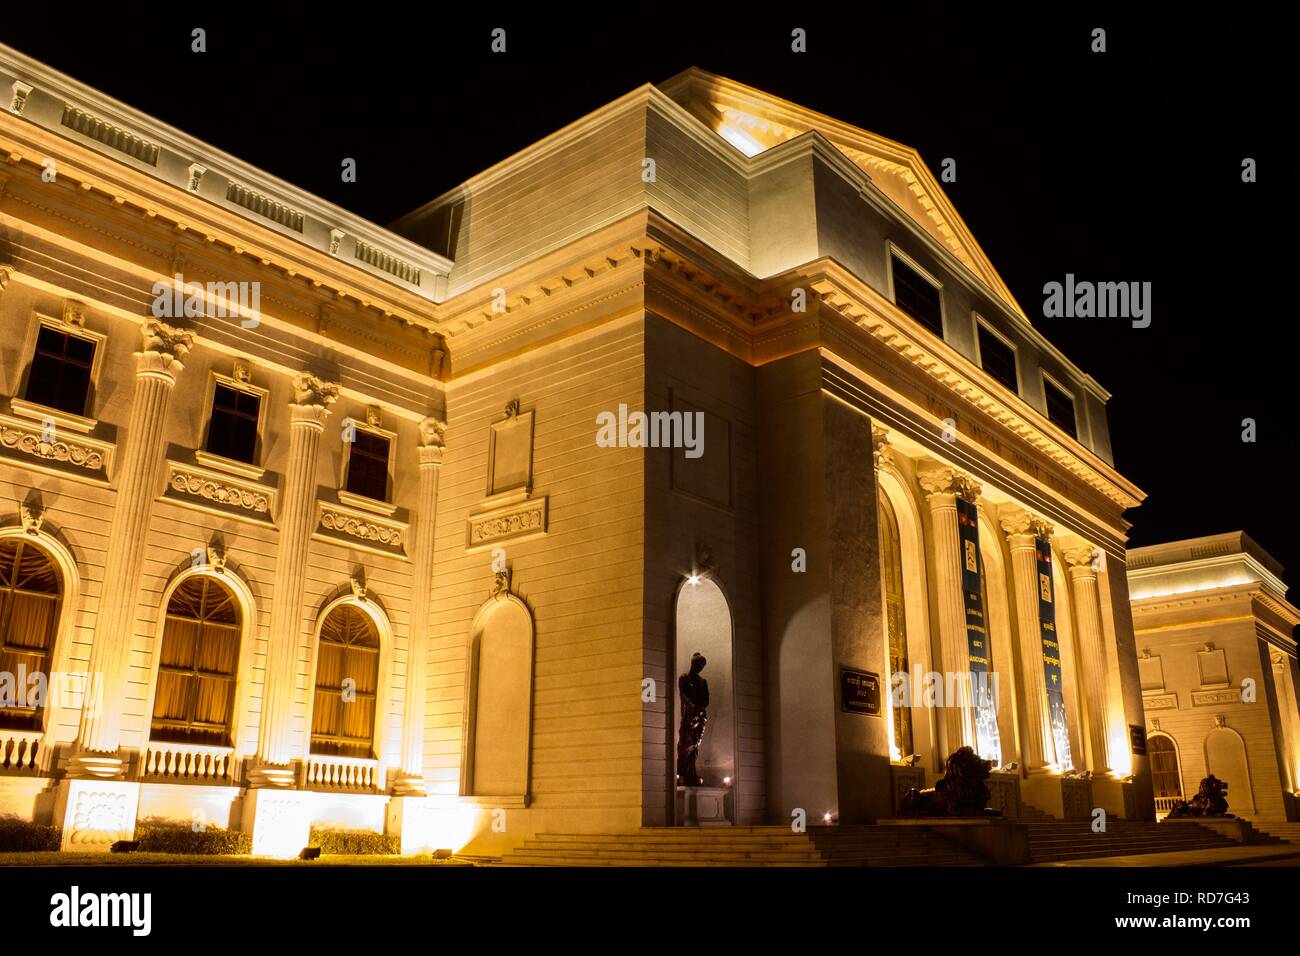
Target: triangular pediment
x=754, y=121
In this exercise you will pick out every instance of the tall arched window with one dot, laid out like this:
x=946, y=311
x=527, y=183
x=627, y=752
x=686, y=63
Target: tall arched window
x=29, y=616
x=195, y=699
x=1166, y=778
x=347, y=681
x=891, y=578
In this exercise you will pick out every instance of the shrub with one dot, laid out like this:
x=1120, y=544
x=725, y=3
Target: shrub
x=167, y=836
x=354, y=842
x=19, y=836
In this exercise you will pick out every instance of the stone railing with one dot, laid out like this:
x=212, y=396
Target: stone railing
x=189, y=763
x=353, y=774
x=19, y=751
x=1164, y=805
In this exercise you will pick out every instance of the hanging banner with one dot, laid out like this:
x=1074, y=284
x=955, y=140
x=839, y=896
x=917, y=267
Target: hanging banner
x=1052, y=656
x=977, y=639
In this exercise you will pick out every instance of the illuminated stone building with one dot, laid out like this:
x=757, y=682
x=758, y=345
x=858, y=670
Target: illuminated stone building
x=351, y=554
x=1217, y=658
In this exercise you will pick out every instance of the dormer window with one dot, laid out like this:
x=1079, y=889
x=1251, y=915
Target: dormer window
x=1060, y=407
x=916, y=293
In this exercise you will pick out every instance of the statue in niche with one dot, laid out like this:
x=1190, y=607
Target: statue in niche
x=1211, y=800
x=961, y=793
x=694, y=691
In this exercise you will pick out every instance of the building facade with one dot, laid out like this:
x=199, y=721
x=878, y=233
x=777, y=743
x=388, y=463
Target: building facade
x=414, y=529
x=1217, y=659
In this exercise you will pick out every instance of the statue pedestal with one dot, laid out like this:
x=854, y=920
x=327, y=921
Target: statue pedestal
x=703, y=806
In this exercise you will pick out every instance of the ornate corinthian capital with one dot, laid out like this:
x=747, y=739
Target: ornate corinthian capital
x=312, y=392
x=880, y=449
x=1083, y=556
x=164, y=348
x=432, y=432
x=948, y=481
x=1022, y=522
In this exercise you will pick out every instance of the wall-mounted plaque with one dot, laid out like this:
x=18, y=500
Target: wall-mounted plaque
x=860, y=692
x=1137, y=738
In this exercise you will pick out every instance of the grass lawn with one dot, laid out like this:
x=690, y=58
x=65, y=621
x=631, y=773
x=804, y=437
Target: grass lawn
x=178, y=859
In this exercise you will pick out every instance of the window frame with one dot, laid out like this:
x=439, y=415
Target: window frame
x=386, y=505
x=83, y=422
x=983, y=323
x=253, y=469
x=1047, y=377
x=892, y=251
x=49, y=655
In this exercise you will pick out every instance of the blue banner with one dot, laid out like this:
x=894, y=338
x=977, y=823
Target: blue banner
x=983, y=699
x=1052, y=656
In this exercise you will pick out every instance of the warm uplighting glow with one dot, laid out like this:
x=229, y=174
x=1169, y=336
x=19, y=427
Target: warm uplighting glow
x=726, y=781
x=1213, y=586
x=693, y=580
x=827, y=817
x=741, y=140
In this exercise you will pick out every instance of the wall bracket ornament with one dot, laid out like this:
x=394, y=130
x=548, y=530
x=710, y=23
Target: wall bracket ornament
x=517, y=520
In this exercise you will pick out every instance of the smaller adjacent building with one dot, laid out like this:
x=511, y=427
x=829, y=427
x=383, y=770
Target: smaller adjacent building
x=1217, y=661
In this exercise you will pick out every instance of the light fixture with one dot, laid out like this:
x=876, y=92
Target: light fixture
x=693, y=580
x=726, y=781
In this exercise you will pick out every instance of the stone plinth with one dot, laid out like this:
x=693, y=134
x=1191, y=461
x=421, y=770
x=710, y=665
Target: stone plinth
x=703, y=806
x=277, y=820
x=1066, y=798
x=95, y=814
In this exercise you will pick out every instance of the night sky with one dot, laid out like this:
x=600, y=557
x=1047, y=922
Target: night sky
x=1122, y=166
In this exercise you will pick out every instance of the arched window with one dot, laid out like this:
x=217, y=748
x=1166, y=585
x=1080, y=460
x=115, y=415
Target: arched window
x=347, y=681
x=1166, y=778
x=891, y=578
x=194, y=702
x=29, y=615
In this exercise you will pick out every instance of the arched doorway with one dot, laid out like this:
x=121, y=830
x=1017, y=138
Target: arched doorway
x=347, y=685
x=1166, y=775
x=194, y=698
x=703, y=626
x=30, y=596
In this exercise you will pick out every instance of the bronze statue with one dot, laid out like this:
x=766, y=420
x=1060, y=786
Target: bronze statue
x=694, y=691
x=1211, y=800
x=961, y=792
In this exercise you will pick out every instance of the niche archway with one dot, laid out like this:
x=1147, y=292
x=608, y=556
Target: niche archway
x=499, y=702
x=703, y=625
x=1225, y=757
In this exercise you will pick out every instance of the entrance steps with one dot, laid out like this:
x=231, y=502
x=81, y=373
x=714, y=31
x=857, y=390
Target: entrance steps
x=1075, y=840
x=744, y=846
x=1289, y=832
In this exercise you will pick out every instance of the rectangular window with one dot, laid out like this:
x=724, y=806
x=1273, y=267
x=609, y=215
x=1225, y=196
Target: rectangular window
x=1060, y=407
x=917, y=296
x=60, y=373
x=997, y=358
x=368, y=466
x=232, y=429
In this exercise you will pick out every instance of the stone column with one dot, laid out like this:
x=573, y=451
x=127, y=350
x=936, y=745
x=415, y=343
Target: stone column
x=1037, y=746
x=942, y=487
x=1092, y=653
x=308, y=411
x=410, y=781
x=157, y=364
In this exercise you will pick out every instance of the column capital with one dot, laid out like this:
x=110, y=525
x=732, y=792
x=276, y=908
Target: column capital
x=312, y=398
x=948, y=481
x=1081, y=558
x=163, y=349
x=881, y=453
x=433, y=432
x=1019, y=522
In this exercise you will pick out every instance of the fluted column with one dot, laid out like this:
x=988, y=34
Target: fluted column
x=307, y=414
x=410, y=782
x=157, y=364
x=1037, y=745
x=942, y=488
x=1092, y=650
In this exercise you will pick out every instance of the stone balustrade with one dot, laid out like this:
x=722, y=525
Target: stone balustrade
x=189, y=763
x=19, y=751
x=353, y=774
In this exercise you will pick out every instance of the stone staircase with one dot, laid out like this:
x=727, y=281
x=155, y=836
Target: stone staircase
x=1053, y=841
x=1287, y=832
x=744, y=846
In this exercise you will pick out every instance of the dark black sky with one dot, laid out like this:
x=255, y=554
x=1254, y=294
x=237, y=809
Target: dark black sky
x=1123, y=166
